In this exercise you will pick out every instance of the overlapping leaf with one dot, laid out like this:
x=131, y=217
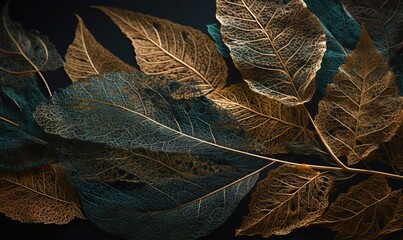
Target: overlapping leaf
x=41, y=195
x=160, y=195
x=362, y=108
x=131, y=110
x=278, y=48
x=288, y=198
x=214, y=31
x=270, y=124
x=394, y=149
x=86, y=57
x=172, y=50
x=364, y=211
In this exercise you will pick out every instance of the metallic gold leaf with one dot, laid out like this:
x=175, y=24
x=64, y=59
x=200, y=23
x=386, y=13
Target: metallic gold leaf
x=41, y=195
x=269, y=123
x=86, y=57
x=362, y=108
x=288, y=198
x=278, y=48
x=165, y=48
x=362, y=212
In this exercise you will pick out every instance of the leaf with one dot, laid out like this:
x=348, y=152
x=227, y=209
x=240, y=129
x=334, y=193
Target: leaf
x=362, y=108
x=22, y=143
x=160, y=195
x=383, y=19
x=363, y=211
x=41, y=195
x=394, y=149
x=278, y=48
x=86, y=57
x=396, y=223
x=132, y=110
x=214, y=31
x=24, y=52
x=269, y=123
x=288, y=198
x=165, y=48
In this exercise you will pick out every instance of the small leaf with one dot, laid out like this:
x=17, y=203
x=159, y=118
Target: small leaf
x=269, y=123
x=168, y=49
x=288, y=198
x=214, y=31
x=364, y=211
x=278, y=48
x=41, y=195
x=362, y=107
x=86, y=57
x=396, y=222
x=394, y=149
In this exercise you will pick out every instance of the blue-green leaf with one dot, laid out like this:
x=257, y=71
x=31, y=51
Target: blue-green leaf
x=214, y=31
x=133, y=110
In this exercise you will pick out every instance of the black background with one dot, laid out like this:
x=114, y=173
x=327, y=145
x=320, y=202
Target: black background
x=56, y=19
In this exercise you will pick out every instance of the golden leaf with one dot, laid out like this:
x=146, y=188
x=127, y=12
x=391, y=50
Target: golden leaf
x=362, y=108
x=278, y=48
x=41, y=195
x=361, y=213
x=169, y=49
x=269, y=123
x=86, y=57
x=288, y=198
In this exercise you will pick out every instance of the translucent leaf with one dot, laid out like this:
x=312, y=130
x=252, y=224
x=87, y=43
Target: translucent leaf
x=268, y=123
x=165, y=48
x=362, y=107
x=288, y=198
x=42, y=195
x=160, y=195
x=22, y=143
x=278, y=48
x=362, y=212
x=214, y=31
x=394, y=149
x=130, y=110
x=86, y=57
x=24, y=52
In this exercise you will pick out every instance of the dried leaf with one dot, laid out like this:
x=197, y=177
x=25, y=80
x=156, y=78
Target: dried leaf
x=396, y=222
x=41, y=195
x=362, y=108
x=160, y=195
x=394, y=149
x=130, y=110
x=165, y=48
x=269, y=123
x=288, y=198
x=362, y=212
x=86, y=57
x=214, y=31
x=278, y=48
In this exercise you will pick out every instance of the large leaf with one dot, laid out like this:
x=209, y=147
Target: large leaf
x=23, y=52
x=131, y=110
x=22, y=143
x=86, y=57
x=364, y=211
x=362, y=108
x=172, y=50
x=41, y=195
x=278, y=48
x=270, y=124
x=288, y=198
x=160, y=195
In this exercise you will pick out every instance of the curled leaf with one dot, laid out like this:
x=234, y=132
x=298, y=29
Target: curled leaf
x=362, y=107
x=364, y=211
x=168, y=49
x=278, y=48
x=86, y=57
x=41, y=195
x=268, y=123
x=288, y=198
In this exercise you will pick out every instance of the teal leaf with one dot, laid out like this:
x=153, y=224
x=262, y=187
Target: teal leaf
x=133, y=110
x=22, y=142
x=22, y=52
x=147, y=195
x=214, y=31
